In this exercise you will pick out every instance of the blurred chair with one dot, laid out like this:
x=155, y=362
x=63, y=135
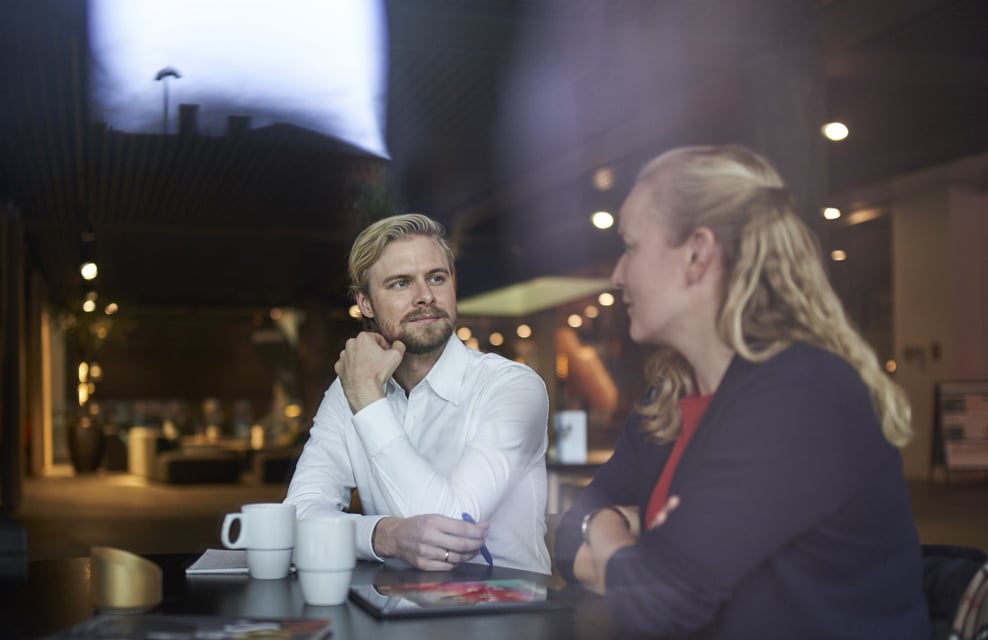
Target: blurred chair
x=948, y=571
x=971, y=619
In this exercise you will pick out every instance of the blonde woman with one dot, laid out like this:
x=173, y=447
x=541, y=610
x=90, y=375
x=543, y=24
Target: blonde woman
x=757, y=492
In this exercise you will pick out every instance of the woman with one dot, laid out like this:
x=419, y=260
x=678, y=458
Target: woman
x=787, y=515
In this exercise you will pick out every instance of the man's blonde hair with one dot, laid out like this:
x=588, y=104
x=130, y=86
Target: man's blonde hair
x=369, y=245
x=775, y=291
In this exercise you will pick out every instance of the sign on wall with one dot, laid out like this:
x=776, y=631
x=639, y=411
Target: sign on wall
x=961, y=435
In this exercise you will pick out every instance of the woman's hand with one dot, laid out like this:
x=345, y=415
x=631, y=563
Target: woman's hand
x=607, y=533
x=609, y=530
x=664, y=512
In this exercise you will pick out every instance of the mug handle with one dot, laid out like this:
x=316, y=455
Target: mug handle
x=241, y=540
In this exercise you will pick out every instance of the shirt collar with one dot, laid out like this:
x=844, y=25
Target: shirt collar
x=446, y=376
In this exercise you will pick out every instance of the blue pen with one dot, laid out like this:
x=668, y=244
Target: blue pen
x=483, y=550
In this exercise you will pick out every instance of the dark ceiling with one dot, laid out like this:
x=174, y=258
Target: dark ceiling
x=498, y=112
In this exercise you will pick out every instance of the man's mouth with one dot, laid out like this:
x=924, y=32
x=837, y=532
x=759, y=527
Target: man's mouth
x=432, y=315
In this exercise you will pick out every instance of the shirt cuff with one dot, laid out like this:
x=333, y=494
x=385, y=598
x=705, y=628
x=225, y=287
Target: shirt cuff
x=364, y=535
x=377, y=426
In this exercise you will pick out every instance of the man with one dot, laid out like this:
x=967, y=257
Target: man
x=426, y=429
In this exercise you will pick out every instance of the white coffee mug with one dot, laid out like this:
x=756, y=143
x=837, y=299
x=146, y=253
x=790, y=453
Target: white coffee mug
x=325, y=555
x=267, y=531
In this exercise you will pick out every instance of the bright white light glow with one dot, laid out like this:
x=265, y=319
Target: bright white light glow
x=835, y=131
x=89, y=270
x=317, y=64
x=575, y=320
x=602, y=220
x=605, y=299
x=831, y=213
x=88, y=306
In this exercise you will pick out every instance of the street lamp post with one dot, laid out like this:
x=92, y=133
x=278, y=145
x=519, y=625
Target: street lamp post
x=162, y=76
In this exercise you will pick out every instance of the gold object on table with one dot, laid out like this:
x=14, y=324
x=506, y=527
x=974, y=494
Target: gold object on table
x=122, y=580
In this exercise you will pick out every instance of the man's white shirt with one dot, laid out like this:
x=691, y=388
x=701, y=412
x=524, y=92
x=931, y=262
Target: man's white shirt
x=471, y=438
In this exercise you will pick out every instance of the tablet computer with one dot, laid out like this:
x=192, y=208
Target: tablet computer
x=411, y=599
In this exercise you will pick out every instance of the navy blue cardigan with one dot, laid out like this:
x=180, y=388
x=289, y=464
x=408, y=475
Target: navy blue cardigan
x=794, y=519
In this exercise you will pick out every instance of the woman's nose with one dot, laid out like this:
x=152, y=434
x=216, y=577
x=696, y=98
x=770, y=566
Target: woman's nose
x=617, y=276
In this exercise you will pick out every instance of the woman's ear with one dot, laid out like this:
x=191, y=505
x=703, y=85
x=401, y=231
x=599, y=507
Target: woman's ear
x=703, y=254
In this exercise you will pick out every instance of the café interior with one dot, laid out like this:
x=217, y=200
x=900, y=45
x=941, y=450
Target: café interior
x=174, y=293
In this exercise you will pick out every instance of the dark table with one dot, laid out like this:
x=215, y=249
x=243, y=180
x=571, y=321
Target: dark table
x=57, y=595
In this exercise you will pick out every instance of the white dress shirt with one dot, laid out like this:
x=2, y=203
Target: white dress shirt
x=470, y=437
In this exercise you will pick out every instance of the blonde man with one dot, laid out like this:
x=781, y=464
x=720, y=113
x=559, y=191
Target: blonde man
x=426, y=429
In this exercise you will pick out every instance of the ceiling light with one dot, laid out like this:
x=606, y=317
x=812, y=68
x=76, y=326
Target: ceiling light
x=835, y=131
x=591, y=311
x=89, y=270
x=575, y=320
x=464, y=333
x=88, y=306
x=605, y=299
x=831, y=213
x=603, y=179
x=496, y=339
x=838, y=255
x=524, y=331
x=111, y=308
x=602, y=220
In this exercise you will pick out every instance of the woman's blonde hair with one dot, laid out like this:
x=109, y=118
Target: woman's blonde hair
x=775, y=290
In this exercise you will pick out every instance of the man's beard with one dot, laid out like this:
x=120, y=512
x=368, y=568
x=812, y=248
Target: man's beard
x=422, y=339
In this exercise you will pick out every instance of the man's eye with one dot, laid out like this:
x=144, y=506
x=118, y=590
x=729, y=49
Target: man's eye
x=399, y=284
x=438, y=279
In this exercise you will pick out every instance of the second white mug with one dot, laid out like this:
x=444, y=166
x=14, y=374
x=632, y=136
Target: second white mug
x=325, y=555
x=325, y=544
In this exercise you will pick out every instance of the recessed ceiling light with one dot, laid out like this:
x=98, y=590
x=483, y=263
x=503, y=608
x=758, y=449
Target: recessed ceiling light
x=602, y=220
x=835, y=131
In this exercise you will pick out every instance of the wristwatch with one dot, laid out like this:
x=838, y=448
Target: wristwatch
x=585, y=525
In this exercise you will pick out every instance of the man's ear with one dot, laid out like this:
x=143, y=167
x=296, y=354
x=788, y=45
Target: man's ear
x=703, y=254
x=365, y=306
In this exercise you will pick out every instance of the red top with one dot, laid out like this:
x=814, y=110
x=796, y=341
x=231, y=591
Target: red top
x=691, y=408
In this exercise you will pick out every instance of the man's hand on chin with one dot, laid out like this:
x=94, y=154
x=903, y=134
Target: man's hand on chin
x=431, y=542
x=364, y=365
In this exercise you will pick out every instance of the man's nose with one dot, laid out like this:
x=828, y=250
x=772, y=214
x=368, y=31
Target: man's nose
x=423, y=294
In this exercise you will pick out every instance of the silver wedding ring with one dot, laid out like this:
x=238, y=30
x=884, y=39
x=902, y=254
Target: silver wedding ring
x=446, y=557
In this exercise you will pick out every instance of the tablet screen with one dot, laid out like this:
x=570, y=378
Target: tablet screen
x=435, y=598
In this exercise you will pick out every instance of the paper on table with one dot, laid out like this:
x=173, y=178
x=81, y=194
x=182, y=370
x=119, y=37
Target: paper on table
x=220, y=561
